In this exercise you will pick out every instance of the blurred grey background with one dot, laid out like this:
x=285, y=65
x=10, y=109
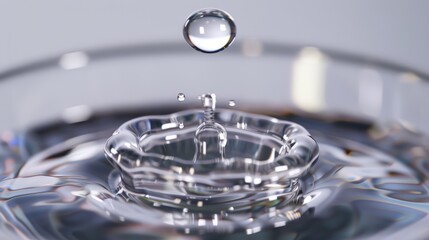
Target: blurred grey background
x=392, y=30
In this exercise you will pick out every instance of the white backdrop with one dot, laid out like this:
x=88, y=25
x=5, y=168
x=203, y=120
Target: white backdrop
x=397, y=31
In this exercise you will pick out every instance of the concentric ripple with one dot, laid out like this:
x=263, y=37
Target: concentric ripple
x=261, y=163
x=367, y=183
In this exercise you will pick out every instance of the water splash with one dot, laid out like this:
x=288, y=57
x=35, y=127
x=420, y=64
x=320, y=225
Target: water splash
x=365, y=185
x=210, y=137
x=214, y=161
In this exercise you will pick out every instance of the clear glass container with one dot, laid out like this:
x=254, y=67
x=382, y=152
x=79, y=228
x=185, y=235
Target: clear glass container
x=368, y=117
x=259, y=76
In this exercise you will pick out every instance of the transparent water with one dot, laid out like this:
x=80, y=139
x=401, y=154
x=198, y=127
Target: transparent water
x=181, y=97
x=209, y=30
x=211, y=174
x=369, y=182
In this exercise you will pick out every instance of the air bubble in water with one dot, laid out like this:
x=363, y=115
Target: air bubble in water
x=209, y=30
x=181, y=97
x=231, y=103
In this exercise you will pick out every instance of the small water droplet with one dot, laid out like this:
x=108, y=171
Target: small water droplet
x=181, y=97
x=231, y=103
x=209, y=30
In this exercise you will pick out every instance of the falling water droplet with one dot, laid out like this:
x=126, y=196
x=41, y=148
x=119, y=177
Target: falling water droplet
x=231, y=103
x=181, y=97
x=209, y=30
